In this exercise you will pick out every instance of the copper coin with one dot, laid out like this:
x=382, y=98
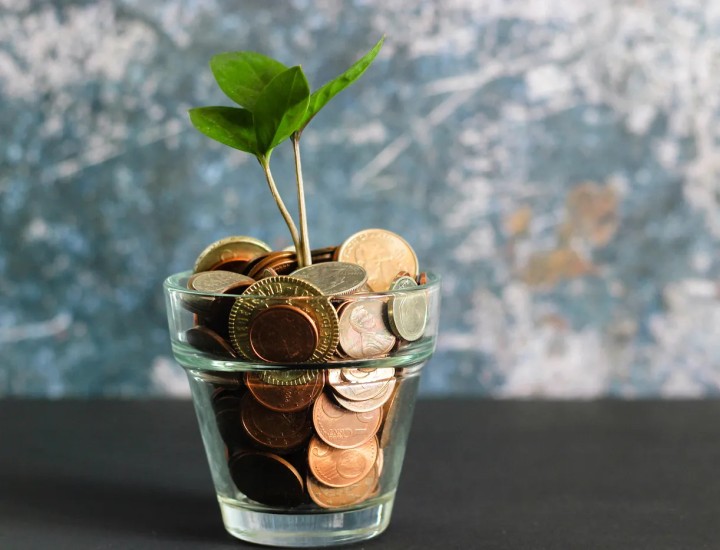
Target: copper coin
x=209, y=341
x=341, y=428
x=226, y=405
x=422, y=278
x=285, y=398
x=363, y=333
x=391, y=410
x=382, y=253
x=341, y=467
x=267, y=272
x=283, y=334
x=340, y=497
x=281, y=431
x=360, y=388
x=268, y=260
x=230, y=249
x=267, y=478
x=370, y=404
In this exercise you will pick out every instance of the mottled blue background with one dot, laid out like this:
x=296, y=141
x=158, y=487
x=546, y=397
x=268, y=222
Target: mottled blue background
x=556, y=161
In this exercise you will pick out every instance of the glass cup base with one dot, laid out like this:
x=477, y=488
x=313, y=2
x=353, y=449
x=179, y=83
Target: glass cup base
x=306, y=530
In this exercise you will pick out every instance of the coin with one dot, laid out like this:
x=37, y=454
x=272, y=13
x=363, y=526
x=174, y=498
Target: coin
x=369, y=404
x=382, y=253
x=283, y=334
x=218, y=281
x=341, y=467
x=226, y=404
x=363, y=333
x=341, y=428
x=289, y=291
x=333, y=278
x=407, y=311
x=280, y=431
x=272, y=259
x=267, y=272
x=340, y=497
x=366, y=385
x=266, y=478
x=390, y=412
x=209, y=341
x=285, y=398
x=288, y=377
x=422, y=278
x=230, y=249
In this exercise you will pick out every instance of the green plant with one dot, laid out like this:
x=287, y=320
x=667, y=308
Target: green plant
x=275, y=105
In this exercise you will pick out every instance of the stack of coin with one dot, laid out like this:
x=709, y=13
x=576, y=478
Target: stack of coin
x=313, y=437
x=333, y=310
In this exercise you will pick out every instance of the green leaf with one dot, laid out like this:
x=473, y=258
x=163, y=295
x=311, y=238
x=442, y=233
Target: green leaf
x=228, y=125
x=243, y=75
x=280, y=108
x=323, y=95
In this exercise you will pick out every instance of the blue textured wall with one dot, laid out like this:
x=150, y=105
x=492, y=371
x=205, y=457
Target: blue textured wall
x=556, y=161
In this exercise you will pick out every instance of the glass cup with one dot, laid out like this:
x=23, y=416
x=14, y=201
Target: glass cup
x=305, y=454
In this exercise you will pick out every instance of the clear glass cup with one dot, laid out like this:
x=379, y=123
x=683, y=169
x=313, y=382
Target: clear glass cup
x=292, y=464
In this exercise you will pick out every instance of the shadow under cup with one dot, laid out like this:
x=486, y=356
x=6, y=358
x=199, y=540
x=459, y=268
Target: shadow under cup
x=302, y=454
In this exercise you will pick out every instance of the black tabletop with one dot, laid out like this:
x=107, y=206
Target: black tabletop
x=478, y=474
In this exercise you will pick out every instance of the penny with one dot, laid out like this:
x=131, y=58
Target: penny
x=341, y=467
x=369, y=404
x=340, y=497
x=422, y=279
x=342, y=428
x=283, y=334
x=382, y=253
x=209, y=341
x=269, y=259
x=267, y=478
x=284, y=290
x=363, y=333
x=267, y=272
x=226, y=405
x=333, y=278
x=230, y=249
x=280, y=431
x=359, y=388
x=285, y=398
x=407, y=311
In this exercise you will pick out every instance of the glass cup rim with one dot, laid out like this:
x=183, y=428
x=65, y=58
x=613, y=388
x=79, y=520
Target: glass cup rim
x=172, y=284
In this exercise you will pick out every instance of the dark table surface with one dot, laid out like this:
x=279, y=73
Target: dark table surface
x=478, y=474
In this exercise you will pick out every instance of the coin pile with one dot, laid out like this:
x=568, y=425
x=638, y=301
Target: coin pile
x=328, y=311
x=297, y=437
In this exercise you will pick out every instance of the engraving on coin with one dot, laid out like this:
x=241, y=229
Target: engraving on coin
x=407, y=311
x=382, y=253
x=288, y=377
x=363, y=333
x=333, y=278
x=285, y=398
x=369, y=404
x=341, y=428
x=287, y=291
x=341, y=467
x=266, y=478
x=366, y=385
x=280, y=431
x=340, y=497
x=230, y=249
x=283, y=334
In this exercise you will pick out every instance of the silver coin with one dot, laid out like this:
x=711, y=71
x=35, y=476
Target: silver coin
x=333, y=278
x=407, y=311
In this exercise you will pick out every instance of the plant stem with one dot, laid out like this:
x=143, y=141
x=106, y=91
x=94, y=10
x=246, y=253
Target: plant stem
x=304, y=255
x=265, y=163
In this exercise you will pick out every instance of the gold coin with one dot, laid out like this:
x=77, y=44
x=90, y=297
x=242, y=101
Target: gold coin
x=284, y=290
x=382, y=253
x=237, y=248
x=407, y=311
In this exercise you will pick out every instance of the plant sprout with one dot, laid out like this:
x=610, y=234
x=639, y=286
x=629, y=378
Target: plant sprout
x=275, y=105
